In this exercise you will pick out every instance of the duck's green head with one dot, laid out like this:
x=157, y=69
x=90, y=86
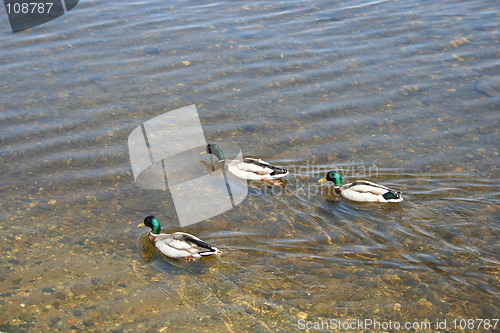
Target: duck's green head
x=334, y=177
x=213, y=148
x=152, y=222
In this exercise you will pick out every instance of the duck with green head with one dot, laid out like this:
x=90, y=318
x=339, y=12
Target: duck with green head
x=177, y=244
x=362, y=190
x=249, y=168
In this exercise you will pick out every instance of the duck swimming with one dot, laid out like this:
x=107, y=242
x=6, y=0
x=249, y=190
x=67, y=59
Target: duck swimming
x=362, y=190
x=249, y=168
x=177, y=244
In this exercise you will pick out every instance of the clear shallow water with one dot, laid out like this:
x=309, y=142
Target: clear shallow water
x=402, y=92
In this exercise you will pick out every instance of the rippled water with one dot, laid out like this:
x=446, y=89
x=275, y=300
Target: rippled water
x=405, y=93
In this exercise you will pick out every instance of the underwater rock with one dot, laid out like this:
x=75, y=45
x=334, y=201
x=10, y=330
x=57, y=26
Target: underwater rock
x=151, y=50
x=489, y=86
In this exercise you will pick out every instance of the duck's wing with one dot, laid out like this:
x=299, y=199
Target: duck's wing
x=364, y=186
x=263, y=167
x=194, y=245
x=169, y=246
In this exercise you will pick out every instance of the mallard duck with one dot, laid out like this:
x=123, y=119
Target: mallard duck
x=249, y=168
x=362, y=190
x=177, y=244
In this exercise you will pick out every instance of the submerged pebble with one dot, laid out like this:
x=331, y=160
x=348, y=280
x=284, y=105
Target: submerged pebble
x=48, y=290
x=151, y=50
x=489, y=86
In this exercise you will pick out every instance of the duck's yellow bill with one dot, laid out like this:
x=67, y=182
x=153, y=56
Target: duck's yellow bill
x=322, y=180
x=141, y=225
x=203, y=152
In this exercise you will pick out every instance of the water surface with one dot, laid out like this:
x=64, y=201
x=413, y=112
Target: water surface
x=404, y=93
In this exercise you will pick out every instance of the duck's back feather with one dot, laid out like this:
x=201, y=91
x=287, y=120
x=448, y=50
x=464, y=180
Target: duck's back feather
x=184, y=238
x=256, y=169
x=366, y=191
x=274, y=169
x=181, y=244
x=364, y=186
